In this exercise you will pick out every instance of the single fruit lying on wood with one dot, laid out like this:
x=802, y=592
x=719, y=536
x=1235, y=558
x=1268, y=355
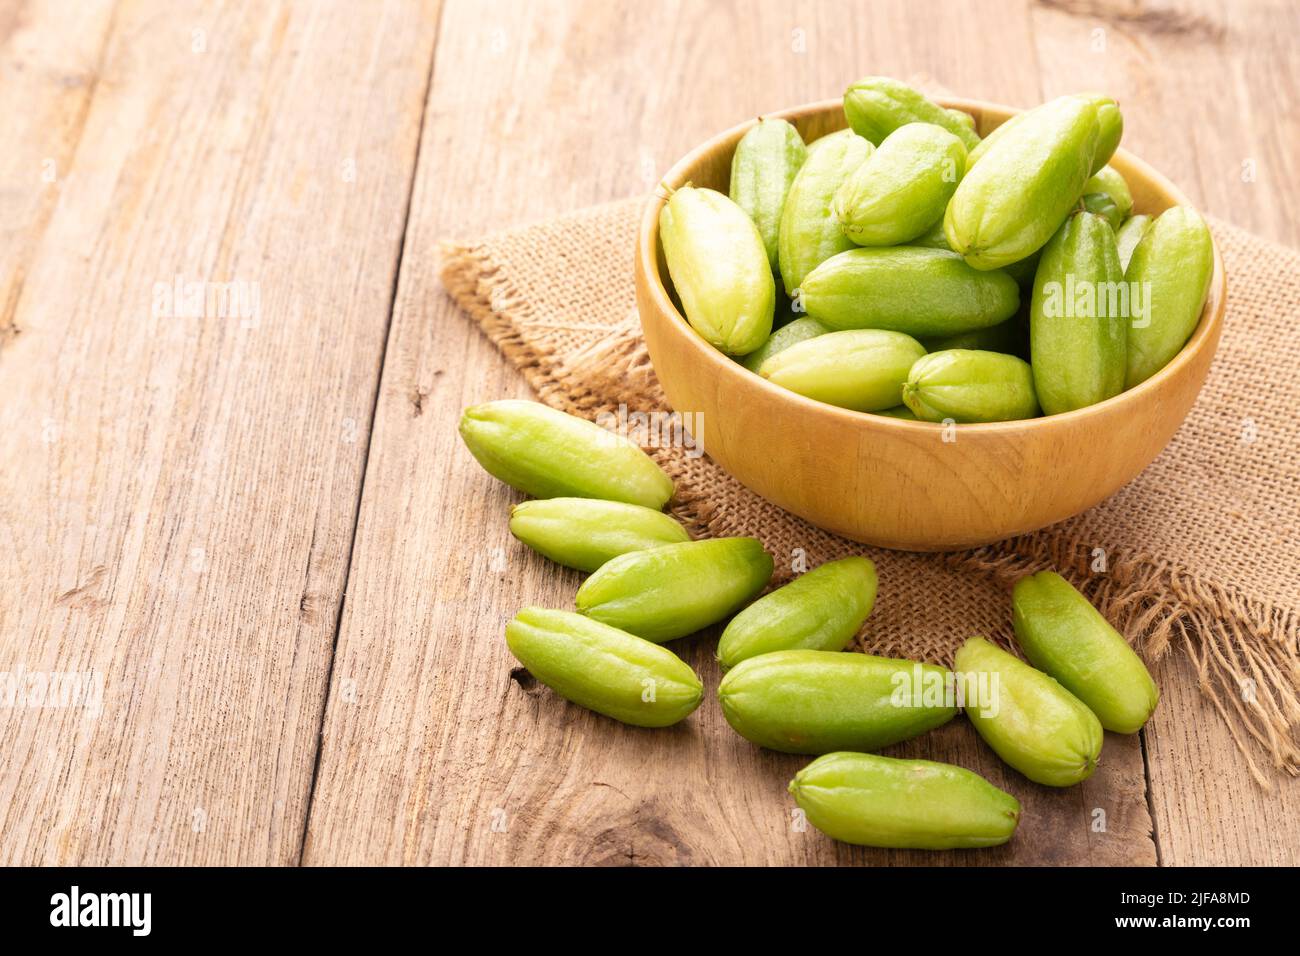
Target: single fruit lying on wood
x=1030, y=721
x=816, y=702
x=918, y=804
x=604, y=669
x=1063, y=635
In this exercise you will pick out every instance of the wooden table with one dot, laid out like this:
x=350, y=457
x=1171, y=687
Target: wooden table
x=232, y=496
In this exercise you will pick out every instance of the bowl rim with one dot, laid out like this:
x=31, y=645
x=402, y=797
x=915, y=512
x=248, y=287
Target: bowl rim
x=1205, y=334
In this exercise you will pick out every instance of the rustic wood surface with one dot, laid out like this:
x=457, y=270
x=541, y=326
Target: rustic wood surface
x=264, y=536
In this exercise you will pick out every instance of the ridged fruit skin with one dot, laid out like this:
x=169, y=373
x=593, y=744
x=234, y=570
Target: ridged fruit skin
x=1173, y=261
x=604, y=669
x=964, y=118
x=905, y=185
x=968, y=385
x=800, y=330
x=548, y=454
x=1129, y=235
x=719, y=268
x=1078, y=360
x=820, y=610
x=817, y=702
x=859, y=369
x=669, y=592
x=1110, y=128
x=1012, y=201
x=584, y=533
x=1108, y=180
x=1030, y=720
x=765, y=163
x=908, y=289
x=875, y=106
x=906, y=804
x=810, y=234
x=1064, y=636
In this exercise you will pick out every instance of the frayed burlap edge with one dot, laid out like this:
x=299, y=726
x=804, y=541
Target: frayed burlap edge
x=1244, y=650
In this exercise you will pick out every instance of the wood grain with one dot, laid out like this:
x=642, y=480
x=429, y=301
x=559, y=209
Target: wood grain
x=50, y=59
x=179, y=494
x=1209, y=93
x=179, y=483
x=441, y=753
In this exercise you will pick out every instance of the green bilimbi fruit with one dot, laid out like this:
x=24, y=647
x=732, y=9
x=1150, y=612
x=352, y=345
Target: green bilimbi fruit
x=1099, y=204
x=604, y=669
x=584, y=533
x=766, y=160
x=810, y=234
x=1010, y=203
x=1063, y=635
x=908, y=289
x=861, y=369
x=1022, y=271
x=964, y=118
x=1078, y=327
x=674, y=590
x=548, y=454
x=1003, y=337
x=1129, y=235
x=902, y=188
x=800, y=330
x=916, y=804
x=719, y=268
x=899, y=411
x=1030, y=721
x=1111, y=183
x=988, y=141
x=1172, y=265
x=820, y=610
x=816, y=702
x=968, y=385
x=877, y=105
x=1110, y=126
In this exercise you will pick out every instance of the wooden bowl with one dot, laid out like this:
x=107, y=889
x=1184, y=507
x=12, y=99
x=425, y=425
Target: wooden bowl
x=902, y=484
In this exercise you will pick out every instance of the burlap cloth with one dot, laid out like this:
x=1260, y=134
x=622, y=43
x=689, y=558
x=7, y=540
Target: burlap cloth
x=1199, y=551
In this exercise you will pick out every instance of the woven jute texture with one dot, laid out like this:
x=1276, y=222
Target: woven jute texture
x=1198, y=554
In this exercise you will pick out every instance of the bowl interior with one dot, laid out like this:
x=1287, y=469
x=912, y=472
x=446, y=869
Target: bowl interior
x=709, y=165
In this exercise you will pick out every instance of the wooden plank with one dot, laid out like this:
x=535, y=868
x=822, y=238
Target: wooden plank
x=1209, y=97
x=180, y=477
x=433, y=752
x=50, y=57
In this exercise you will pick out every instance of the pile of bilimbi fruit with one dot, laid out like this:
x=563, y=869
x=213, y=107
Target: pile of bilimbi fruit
x=922, y=266
x=789, y=685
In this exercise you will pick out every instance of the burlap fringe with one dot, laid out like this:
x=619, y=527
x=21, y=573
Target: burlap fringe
x=1246, y=652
